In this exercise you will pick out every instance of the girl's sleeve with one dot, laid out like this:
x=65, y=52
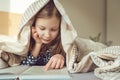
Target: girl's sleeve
x=29, y=60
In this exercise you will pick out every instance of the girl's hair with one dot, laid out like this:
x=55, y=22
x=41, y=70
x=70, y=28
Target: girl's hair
x=48, y=11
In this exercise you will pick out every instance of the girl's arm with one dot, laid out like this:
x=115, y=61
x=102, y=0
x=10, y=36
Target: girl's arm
x=35, y=51
x=38, y=43
x=31, y=59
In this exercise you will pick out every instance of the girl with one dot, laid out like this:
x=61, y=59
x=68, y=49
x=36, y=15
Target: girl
x=45, y=30
x=45, y=43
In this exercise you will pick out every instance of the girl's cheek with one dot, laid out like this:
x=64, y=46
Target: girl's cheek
x=40, y=33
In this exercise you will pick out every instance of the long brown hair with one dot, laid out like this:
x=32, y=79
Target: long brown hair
x=48, y=11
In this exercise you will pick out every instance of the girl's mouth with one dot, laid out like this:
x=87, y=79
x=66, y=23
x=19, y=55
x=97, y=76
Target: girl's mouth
x=46, y=40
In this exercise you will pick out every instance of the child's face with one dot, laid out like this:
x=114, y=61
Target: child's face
x=47, y=29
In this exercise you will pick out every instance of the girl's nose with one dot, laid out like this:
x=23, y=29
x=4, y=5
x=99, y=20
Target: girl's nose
x=47, y=34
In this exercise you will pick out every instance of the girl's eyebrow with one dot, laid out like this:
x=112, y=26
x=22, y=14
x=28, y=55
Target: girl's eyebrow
x=40, y=25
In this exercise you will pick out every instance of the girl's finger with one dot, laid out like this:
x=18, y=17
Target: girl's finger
x=62, y=64
x=47, y=66
x=33, y=29
x=53, y=65
x=58, y=64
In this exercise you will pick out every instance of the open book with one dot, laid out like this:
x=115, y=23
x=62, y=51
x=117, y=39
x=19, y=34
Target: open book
x=33, y=73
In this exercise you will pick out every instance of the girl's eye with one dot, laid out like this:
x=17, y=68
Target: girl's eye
x=53, y=29
x=42, y=28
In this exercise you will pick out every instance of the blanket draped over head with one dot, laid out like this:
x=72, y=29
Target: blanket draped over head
x=82, y=55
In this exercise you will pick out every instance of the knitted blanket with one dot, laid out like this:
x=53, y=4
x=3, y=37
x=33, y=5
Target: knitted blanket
x=82, y=55
x=105, y=61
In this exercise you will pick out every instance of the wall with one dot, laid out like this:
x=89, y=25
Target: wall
x=113, y=21
x=87, y=16
x=9, y=23
x=10, y=15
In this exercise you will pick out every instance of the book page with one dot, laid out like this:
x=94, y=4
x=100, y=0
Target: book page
x=37, y=72
x=34, y=70
x=13, y=70
x=33, y=73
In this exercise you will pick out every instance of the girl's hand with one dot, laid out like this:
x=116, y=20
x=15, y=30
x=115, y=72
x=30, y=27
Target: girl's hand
x=35, y=36
x=55, y=62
